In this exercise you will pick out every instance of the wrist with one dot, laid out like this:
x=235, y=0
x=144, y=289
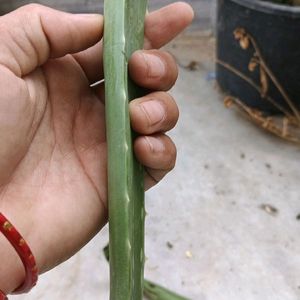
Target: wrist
x=12, y=271
x=18, y=273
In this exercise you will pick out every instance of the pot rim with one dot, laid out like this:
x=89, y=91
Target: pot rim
x=271, y=8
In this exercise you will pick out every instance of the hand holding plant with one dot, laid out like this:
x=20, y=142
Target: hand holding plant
x=52, y=127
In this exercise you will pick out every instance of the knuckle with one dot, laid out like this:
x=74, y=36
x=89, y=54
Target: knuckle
x=32, y=8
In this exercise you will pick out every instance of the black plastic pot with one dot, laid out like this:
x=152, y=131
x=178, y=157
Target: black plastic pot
x=276, y=29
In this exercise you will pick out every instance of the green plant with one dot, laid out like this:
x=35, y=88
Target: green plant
x=124, y=33
x=153, y=291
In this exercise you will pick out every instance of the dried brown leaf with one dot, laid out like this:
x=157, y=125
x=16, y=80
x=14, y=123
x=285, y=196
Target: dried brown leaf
x=285, y=129
x=252, y=64
x=228, y=101
x=264, y=82
x=239, y=33
x=245, y=43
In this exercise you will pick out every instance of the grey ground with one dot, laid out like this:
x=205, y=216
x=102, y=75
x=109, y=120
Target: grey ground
x=207, y=234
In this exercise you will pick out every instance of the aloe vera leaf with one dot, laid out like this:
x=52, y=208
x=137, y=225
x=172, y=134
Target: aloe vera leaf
x=153, y=291
x=123, y=34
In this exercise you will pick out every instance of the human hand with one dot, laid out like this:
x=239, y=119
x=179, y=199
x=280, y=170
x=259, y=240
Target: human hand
x=52, y=126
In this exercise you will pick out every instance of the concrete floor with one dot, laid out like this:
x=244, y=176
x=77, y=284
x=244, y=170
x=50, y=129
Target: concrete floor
x=207, y=236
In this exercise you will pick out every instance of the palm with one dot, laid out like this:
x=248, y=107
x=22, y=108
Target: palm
x=62, y=169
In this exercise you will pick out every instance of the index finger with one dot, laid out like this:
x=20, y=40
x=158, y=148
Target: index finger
x=165, y=24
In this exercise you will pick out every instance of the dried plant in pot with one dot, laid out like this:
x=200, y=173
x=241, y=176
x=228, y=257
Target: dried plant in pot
x=258, y=61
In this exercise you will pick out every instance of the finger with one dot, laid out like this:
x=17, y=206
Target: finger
x=99, y=91
x=91, y=62
x=153, y=177
x=156, y=112
x=34, y=33
x=158, y=154
x=165, y=24
x=143, y=70
x=153, y=69
x=161, y=27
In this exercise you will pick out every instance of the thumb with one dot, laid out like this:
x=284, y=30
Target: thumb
x=32, y=34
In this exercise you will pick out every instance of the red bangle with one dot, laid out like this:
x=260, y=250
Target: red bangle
x=25, y=254
x=3, y=296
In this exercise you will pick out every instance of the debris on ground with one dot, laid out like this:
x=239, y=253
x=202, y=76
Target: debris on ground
x=188, y=254
x=170, y=245
x=269, y=209
x=268, y=166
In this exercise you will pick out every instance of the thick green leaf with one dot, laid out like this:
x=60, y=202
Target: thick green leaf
x=155, y=292
x=152, y=291
x=123, y=34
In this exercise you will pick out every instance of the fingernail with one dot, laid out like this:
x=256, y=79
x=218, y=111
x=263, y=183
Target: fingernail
x=155, y=64
x=155, y=144
x=154, y=111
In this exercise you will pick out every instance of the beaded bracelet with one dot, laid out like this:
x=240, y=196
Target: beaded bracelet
x=25, y=254
x=3, y=296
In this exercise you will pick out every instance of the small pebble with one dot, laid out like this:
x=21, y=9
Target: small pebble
x=170, y=245
x=188, y=254
x=269, y=209
x=268, y=166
